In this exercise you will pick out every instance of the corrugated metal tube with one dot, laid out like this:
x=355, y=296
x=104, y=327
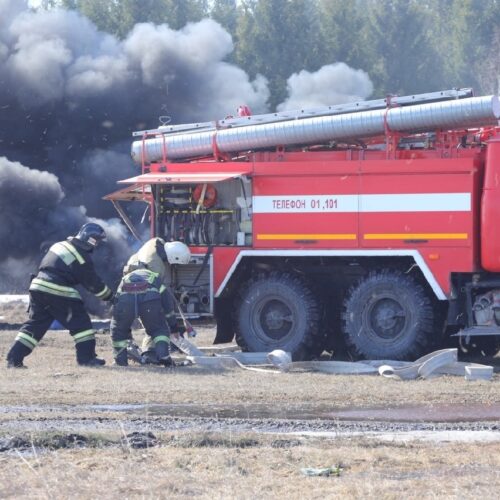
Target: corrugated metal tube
x=461, y=113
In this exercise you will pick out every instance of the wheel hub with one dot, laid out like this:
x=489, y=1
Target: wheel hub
x=276, y=319
x=387, y=318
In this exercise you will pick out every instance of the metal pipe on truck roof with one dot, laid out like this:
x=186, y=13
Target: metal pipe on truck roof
x=462, y=113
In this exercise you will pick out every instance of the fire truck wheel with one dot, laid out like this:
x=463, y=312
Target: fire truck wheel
x=387, y=315
x=278, y=311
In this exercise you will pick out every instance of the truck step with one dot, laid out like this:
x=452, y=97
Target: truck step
x=475, y=331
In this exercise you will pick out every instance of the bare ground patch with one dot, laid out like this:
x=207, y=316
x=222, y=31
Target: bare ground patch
x=206, y=438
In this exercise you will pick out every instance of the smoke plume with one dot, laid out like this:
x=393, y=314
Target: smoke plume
x=70, y=96
x=332, y=84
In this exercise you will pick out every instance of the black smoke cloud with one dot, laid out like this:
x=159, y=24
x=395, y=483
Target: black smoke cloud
x=34, y=214
x=70, y=96
x=41, y=194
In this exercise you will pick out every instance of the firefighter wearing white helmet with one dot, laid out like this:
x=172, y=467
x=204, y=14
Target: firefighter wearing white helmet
x=177, y=253
x=144, y=292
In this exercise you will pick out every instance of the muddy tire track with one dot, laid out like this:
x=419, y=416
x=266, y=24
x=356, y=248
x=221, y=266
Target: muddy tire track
x=262, y=419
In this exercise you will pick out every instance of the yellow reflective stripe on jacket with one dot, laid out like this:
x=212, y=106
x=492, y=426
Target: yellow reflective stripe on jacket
x=162, y=288
x=66, y=252
x=152, y=276
x=83, y=336
x=119, y=343
x=73, y=251
x=27, y=340
x=104, y=292
x=161, y=338
x=48, y=287
x=63, y=253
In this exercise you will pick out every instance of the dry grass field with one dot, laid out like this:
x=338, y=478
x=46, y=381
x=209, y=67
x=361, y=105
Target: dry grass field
x=262, y=469
x=73, y=440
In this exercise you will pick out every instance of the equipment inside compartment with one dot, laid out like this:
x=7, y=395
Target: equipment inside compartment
x=205, y=214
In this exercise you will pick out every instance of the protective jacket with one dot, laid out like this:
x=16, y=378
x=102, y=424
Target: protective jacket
x=67, y=264
x=152, y=256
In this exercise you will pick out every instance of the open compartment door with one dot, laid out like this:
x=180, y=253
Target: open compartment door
x=184, y=177
x=136, y=192
x=199, y=208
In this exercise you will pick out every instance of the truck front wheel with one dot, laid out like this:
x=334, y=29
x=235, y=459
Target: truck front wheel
x=278, y=311
x=387, y=315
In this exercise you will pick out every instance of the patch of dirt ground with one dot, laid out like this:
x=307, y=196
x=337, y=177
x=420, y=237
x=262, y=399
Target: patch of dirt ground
x=237, y=434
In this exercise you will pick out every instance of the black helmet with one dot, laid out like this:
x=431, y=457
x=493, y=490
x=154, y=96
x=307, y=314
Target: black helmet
x=91, y=233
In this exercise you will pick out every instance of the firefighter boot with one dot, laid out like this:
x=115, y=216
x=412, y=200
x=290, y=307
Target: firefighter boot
x=167, y=362
x=121, y=358
x=149, y=358
x=85, y=354
x=134, y=353
x=16, y=355
x=162, y=349
x=120, y=352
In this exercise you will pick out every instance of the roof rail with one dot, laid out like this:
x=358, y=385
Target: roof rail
x=354, y=107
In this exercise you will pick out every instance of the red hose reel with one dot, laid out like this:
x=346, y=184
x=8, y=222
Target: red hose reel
x=205, y=195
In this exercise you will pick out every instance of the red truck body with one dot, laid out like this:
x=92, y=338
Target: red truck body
x=379, y=248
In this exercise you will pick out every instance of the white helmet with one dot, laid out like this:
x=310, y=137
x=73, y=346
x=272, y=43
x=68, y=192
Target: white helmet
x=177, y=252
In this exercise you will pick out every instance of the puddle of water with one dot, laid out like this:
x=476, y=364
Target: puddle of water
x=437, y=413
x=432, y=414
x=218, y=411
x=117, y=407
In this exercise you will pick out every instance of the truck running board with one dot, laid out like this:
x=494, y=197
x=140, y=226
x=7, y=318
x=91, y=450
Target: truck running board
x=476, y=331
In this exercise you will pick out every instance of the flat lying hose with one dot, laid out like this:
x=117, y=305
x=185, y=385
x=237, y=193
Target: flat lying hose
x=423, y=367
x=185, y=346
x=443, y=362
x=225, y=362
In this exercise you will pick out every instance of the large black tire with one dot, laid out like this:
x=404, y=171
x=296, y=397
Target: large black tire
x=278, y=311
x=387, y=315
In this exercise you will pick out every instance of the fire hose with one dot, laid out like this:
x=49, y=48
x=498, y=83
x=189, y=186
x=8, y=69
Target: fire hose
x=181, y=343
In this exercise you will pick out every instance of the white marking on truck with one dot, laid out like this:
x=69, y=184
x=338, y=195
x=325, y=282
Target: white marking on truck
x=408, y=202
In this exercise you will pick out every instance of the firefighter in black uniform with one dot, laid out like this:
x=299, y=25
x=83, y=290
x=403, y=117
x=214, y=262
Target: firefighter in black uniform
x=53, y=297
x=143, y=293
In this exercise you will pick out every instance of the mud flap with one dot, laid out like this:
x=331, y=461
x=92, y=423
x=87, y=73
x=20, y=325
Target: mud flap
x=225, y=330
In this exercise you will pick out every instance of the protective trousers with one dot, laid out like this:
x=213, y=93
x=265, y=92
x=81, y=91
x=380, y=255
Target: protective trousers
x=44, y=308
x=129, y=306
x=168, y=306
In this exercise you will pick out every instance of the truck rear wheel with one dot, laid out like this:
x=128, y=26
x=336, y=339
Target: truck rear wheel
x=387, y=315
x=278, y=311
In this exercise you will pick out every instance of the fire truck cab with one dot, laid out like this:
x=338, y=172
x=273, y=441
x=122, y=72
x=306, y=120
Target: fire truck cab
x=367, y=228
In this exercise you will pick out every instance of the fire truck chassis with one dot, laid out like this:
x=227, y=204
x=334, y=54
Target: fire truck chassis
x=367, y=230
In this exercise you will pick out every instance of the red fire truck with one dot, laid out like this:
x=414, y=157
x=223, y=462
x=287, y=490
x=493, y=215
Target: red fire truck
x=369, y=227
